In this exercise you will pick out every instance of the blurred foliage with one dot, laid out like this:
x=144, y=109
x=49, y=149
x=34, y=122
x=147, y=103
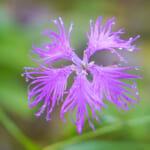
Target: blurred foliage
x=21, y=24
x=105, y=145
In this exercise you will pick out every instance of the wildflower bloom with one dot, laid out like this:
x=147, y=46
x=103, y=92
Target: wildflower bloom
x=49, y=84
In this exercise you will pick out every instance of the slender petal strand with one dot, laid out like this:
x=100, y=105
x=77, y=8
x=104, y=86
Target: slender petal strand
x=47, y=85
x=106, y=80
x=92, y=84
x=102, y=38
x=80, y=96
x=59, y=48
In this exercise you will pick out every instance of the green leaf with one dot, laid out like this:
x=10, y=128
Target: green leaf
x=99, y=132
x=106, y=145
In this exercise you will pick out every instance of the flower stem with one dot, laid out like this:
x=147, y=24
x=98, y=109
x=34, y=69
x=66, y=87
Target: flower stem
x=11, y=127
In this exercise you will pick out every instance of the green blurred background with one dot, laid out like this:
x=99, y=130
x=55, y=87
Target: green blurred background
x=21, y=22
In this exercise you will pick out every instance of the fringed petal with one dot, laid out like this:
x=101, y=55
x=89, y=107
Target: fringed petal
x=80, y=96
x=46, y=85
x=59, y=48
x=102, y=38
x=106, y=81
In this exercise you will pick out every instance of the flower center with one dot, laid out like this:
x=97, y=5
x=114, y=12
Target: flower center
x=83, y=68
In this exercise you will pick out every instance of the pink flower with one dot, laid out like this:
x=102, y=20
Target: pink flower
x=49, y=84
